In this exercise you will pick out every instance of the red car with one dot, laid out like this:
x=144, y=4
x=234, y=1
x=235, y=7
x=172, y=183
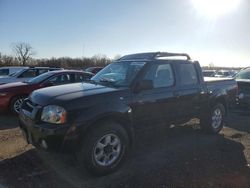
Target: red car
x=13, y=94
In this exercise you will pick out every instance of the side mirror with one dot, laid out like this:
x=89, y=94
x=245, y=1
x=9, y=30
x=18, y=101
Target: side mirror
x=144, y=85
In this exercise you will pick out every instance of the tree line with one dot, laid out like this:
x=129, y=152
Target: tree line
x=24, y=56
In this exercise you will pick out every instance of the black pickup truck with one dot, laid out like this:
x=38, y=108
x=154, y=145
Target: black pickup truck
x=99, y=119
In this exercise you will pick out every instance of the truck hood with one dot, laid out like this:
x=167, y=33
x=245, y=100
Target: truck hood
x=67, y=93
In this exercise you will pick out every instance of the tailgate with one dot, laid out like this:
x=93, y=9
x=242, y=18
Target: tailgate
x=244, y=93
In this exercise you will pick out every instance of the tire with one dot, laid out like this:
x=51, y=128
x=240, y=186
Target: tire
x=16, y=104
x=104, y=149
x=216, y=119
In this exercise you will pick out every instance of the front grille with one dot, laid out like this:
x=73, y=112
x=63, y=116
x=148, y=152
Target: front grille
x=34, y=110
x=28, y=106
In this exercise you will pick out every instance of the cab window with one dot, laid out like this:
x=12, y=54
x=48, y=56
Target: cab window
x=188, y=75
x=161, y=75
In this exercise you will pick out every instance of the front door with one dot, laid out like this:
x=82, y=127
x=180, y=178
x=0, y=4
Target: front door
x=188, y=91
x=156, y=105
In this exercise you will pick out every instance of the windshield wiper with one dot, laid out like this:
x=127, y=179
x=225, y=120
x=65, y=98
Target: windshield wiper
x=107, y=80
x=91, y=81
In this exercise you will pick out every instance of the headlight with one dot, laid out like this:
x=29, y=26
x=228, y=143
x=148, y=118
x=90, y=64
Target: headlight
x=241, y=95
x=2, y=94
x=54, y=114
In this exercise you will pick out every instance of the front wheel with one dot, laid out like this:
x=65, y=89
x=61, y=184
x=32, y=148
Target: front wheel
x=16, y=103
x=216, y=119
x=104, y=148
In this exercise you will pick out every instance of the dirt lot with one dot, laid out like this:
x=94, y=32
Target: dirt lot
x=180, y=156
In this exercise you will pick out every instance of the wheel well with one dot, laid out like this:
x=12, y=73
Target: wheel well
x=25, y=95
x=223, y=102
x=124, y=122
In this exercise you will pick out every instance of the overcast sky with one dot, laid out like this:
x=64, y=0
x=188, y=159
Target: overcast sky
x=209, y=32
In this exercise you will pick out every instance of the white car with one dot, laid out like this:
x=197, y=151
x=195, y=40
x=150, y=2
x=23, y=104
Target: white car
x=224, y=74
x=25, y=74
x=5, y=71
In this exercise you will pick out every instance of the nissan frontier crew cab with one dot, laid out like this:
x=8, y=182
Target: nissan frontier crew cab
x=97, y=120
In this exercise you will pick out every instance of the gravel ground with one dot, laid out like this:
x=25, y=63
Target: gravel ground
x=180, y=156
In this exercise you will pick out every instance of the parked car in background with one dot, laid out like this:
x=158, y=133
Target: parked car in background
x=93, y=70
x=224, y=74
x=99, y=119
x=13, y=94
x=5, y=71
x=209, y=73
x=243, y=80
x=25, y=74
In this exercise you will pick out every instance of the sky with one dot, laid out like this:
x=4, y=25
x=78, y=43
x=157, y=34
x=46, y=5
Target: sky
x=211, y=31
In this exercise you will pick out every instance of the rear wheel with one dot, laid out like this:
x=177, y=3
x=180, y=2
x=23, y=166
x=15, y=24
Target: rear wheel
x=16, y=104
x=216, y=119
x=104, y=148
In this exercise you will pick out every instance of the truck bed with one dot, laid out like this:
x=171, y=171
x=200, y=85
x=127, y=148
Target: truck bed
x=212, y=79
x=213, y=83
x=218, y=86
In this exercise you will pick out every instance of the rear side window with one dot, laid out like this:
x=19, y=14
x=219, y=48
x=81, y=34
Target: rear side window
x=80, y=77
x=188, y=75
x=4, y=72
x=161, y=75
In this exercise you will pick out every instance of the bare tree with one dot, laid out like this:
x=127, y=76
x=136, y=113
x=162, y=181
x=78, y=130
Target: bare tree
x=117, y=56
x=23, y=52
x=211, y=65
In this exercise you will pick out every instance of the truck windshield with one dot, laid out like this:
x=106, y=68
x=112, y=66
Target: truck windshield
x=118, y=74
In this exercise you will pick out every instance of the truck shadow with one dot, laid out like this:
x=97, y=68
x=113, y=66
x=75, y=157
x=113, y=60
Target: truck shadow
x=161, y=157
x=28, y=170
x=239, y=122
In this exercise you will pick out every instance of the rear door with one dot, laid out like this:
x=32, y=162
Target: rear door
x=188, y=90
x=155, y=106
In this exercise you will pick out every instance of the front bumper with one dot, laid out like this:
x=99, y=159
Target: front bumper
x=48, y=136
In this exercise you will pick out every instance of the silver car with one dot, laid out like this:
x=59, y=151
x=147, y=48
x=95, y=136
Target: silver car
x=5, y=71
x=25, y=74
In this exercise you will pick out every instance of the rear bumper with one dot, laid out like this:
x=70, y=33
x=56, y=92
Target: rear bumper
x=50, y=137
